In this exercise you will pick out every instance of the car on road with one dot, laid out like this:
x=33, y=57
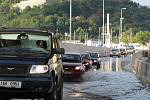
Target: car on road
x=86, y=60
x=30, y=64
x=73, y=65
x=123, y=51
x=130, y=49
x=115, y=52
x=96, y=61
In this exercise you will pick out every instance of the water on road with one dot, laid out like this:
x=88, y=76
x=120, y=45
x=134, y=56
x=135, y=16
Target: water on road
x=113, y=81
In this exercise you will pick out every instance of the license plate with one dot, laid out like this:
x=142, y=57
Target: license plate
x=10, y=84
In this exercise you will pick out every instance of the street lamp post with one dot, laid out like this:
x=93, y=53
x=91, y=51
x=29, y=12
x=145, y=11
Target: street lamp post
x=103, y=23
x=121, y=18
x=70, y=18
x=99, y=36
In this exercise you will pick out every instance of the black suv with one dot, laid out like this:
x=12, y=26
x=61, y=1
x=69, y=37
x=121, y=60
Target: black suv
x=30, y=64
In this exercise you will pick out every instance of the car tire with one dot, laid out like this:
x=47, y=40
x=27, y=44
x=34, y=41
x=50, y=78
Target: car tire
x=60, y=92
x=87, y=67
x=98, y=66
x=53, y=94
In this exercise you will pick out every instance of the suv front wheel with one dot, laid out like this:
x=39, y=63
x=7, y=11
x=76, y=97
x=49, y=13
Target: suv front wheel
x=55, y=95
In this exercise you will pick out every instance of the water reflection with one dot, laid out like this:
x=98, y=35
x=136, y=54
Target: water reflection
x=115, y=64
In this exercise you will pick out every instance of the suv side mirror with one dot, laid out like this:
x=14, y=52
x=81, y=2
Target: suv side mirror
x=58, y=51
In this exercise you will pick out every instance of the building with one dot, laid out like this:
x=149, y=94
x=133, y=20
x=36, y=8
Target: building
x=94, y=43
x=31, y=3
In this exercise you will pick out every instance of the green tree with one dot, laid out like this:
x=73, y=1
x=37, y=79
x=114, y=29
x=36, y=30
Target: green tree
x=126, y=37
x=80, y=34
x=143, y=37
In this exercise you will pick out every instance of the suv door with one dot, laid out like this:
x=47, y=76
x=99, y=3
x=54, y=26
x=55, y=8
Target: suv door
x=58, y=67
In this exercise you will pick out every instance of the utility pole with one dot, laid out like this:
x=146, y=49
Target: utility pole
x=70, y=18
x=105, y=31
x=131, y=35
x=103, y=42
x=74, y=37
x=99, y=36
x=111, y=32
x=85, y=36
x=121, y=18
x=117, y=38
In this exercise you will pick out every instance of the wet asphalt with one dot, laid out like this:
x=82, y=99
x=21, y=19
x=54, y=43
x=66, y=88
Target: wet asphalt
x=73, y=90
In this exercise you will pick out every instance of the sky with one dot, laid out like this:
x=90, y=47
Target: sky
x=143, y=2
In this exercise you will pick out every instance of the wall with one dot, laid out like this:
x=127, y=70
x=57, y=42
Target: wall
x=141, y=67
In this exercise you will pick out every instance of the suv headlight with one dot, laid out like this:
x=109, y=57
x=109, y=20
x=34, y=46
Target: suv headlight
x=39, y=69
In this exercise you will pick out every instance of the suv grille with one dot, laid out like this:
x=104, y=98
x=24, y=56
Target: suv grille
x=14, y=70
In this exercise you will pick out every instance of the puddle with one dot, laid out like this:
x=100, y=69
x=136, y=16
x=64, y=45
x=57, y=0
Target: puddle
x=116, y=64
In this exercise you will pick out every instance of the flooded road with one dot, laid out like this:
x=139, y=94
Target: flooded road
x=116, y=64
x=113, y=81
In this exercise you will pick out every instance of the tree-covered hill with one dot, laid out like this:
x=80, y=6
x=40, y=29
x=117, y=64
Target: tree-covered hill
x=86, y=16
x=135, y=15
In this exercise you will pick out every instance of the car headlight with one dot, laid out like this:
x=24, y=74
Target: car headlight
x=39, y=69
x=95, y=60
x=77, y=68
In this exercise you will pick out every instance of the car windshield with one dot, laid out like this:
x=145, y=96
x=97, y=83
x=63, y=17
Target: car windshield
x=71, y=58
x=122, y=50
x=114, y=50
x=130, y=47
x=29, y=43
x=94, y=55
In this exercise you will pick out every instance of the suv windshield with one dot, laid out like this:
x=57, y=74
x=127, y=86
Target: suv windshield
x=71, y=58
x=23, y=44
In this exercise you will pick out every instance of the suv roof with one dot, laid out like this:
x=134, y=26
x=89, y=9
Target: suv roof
x=24, y=30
